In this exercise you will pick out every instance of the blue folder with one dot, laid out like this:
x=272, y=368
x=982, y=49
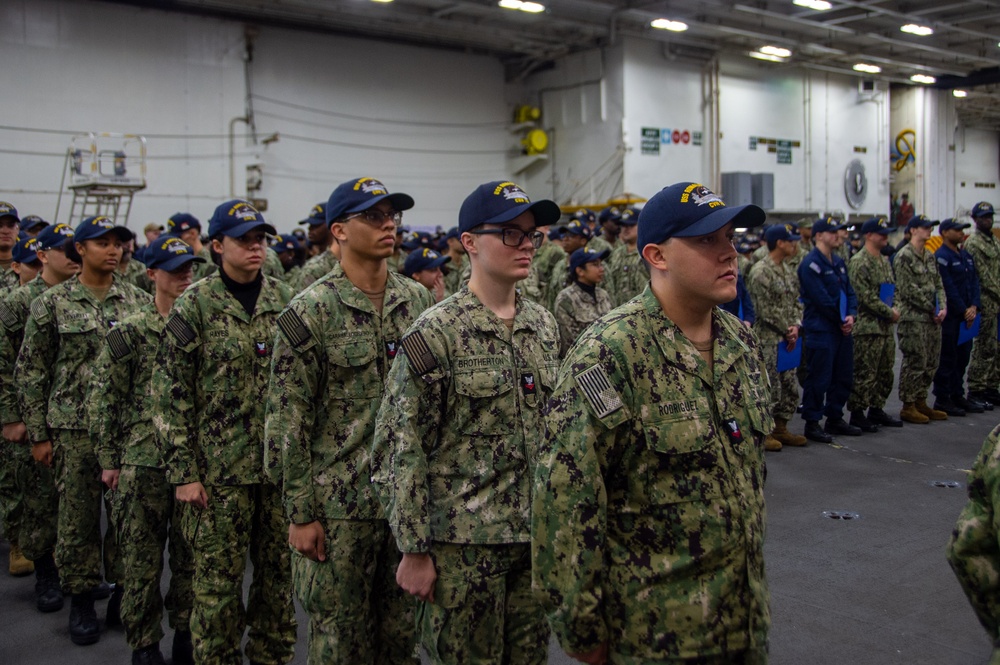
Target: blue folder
x=887, y=293
x=967, y=334
x=789, y=359
x=843, y=305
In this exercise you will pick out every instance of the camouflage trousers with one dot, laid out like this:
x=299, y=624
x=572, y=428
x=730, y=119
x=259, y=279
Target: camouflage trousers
x=240, y=519
x=39, y=519
x=145, y=515
x=784, y=385
x=874, y=357
x=11, y=499
x=920, y=343
x=78, y=542
x=483, y=610
x=984, y=368
x=357, y=613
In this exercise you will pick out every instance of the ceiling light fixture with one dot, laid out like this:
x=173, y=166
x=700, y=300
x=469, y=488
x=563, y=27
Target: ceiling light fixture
x=381, y=0
x=960, y=93
x=818, y=5
x=764, y=56
x=923, y=78
x=918, y=30
x=530, y=7
x=775, y=50
x=667, y=24
x=867, y=69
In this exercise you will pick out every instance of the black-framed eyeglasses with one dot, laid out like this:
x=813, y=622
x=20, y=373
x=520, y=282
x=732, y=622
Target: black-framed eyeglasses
x=377, y=217
x=513, y=237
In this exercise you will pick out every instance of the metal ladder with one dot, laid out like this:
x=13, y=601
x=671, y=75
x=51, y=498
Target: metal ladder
x=105, y=171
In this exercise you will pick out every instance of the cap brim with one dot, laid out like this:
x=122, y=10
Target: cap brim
x=123, y=234
x=243, y=229
x=312, y=221
x=399, y=201
x=794, y=238
x=747, y=217
x=178, y=261
x=546, y=213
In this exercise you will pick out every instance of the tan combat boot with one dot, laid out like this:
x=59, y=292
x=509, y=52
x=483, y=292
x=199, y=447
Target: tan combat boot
x=18, y=564
x=771, y=443
x=910, y=414
x=933, y=414
x=786, y=438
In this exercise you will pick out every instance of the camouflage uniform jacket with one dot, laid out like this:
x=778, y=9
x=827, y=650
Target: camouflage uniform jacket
x=626, y=275
x=453, y=280
x=985, y=250
x=774, y=290
x=331, y=358
x=8, y=280
x=648, y=518
x=292, y=277
x=315, y=268
x=13, y=316
x=458, y=430
x=121, y=396
x=544, y=259
x=919, y=290
x=868, y=273
x=135, y=274
x=599, y=244
x=556, y=282
x=202, y=270
x=62, y=339
x=272, y=265
x=212, y=370
x=575, y=310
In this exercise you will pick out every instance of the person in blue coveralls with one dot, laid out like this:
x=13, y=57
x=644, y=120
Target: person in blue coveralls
x=830, y=308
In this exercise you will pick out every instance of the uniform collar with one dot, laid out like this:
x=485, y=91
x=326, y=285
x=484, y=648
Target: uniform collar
x=480, y=317
x=79, y=291
x=354, y=297
x=267, y=301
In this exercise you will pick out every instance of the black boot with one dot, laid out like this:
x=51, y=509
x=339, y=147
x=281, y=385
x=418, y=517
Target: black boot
x=114, y=618
x=880, y=417
x=982, y=401
x=992, y=396
x=950, y=408
x=182, y=650
x=83, y=626
x=969, y=405
x=102, y=591
x=814, y=432
x=148, y=655
x=48, y=593
x=840, y=426
x=859, y=420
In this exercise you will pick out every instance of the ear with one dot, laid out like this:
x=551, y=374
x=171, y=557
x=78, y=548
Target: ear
x=468, y=241
x=655, y=256
x=217, y=245
x=337, y=231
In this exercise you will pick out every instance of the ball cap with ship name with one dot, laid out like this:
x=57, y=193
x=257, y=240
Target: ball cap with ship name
x=501, y=201
x=99, y=226
x=8, y=210
x=687, y=210
x=180, y=222
x=826, y=225
x=920, y=221
x=423, y=259
x=982, y=209
x=169, y=253
x=54, y=237
x=361, y=194
x=32, y=222
x=236, y=218
x=584, y=255
x=778, y=232
x=876, y=225
x=948, y=224
x=317, y=215
x=25, y=251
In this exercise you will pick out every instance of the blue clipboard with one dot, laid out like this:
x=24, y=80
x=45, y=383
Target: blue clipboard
x=967, y=334
x=789, y=359
x=887, y=293
x=843, y=306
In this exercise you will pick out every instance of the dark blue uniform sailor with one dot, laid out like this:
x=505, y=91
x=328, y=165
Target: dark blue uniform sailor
x=830, y=308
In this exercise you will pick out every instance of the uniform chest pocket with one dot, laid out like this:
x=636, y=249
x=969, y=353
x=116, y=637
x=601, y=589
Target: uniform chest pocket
x=224, y=364
x=681, y=459
x=487, y=402
x=353, y=367
x=77, y=326
x=537, y=384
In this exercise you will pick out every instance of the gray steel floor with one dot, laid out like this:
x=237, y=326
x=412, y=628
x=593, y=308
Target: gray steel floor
x=872, y=590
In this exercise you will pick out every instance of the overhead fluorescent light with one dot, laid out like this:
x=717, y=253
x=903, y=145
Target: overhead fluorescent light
x=775, y=50
x=818, y=5
x=919, y=30
x=765, y=56
x=381, y=0
x=530, y=7
x=667, y=24
x=923, y=78
x=960, y=93
x=867, y=69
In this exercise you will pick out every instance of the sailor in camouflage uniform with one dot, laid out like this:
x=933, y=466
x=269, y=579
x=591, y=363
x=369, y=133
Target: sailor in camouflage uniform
x=35, y=481
x=774, y=288
x=213, y=368
x=627, y=275
x=9, y=228
x=648, y=517
x=121, y=427
x=583, y=301
x=576, y=235
x=62, y=339
x=922, y=307
x=457, y=438
x=984, y=367
x=874, y=344
x=336, y=344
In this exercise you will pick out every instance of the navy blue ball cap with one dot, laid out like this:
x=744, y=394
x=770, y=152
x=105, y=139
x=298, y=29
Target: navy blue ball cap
x=180, y=222
x=31, y=222
x=423, y=259
x=286, y=243
x=452, y=233
x=557, y=232
x=501, y=201
x=169, y=253
x=876, y=225
x=54, y=236
x=578, y=228
x=950, y=223
x=585, y=255
x=8, y=210
x=98, y=227
x=982, y=209
x=236, y=218
x=610, y=214
x=777, y=232
x=920, y=221
x=361, y=194
x=688, y=210
x=26, y=250
x=629, y=217
x=317, y=215
x=826, y=225
x=584, y=215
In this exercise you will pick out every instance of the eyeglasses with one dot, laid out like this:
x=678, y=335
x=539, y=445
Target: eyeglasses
x=376, y=217
x=514, y=237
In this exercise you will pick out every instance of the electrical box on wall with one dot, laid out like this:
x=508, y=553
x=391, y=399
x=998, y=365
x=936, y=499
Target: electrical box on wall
x=737, y=188
x=762, y=187
x=870, y=87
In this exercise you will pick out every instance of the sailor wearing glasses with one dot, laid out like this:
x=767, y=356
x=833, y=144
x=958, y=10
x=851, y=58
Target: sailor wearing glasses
x=457, y=439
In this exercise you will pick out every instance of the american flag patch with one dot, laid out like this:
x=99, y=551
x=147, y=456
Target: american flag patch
x=118, y=344
x=603, y=397
x=181, y=330
x=418, y=353
x=292, y=325
x=7, y=316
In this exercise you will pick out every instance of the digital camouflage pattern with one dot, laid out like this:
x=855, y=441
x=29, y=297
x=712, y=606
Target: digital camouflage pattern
x=626, y=275
x=545, y=257
x=202, y=270
x=774, y=289
x=315, y=268
x=135, y=274
x=874, y=344
x=453, y=280
x=575, y=309
x=919, y=293
x=974, y=548
x=13, y=316
x=8, y=280
x=272, y=265
x=984, y=367
x=599, y=244
x=648, y=519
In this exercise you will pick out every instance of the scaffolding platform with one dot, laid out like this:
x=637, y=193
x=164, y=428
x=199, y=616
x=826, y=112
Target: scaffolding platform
x=105, y=170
